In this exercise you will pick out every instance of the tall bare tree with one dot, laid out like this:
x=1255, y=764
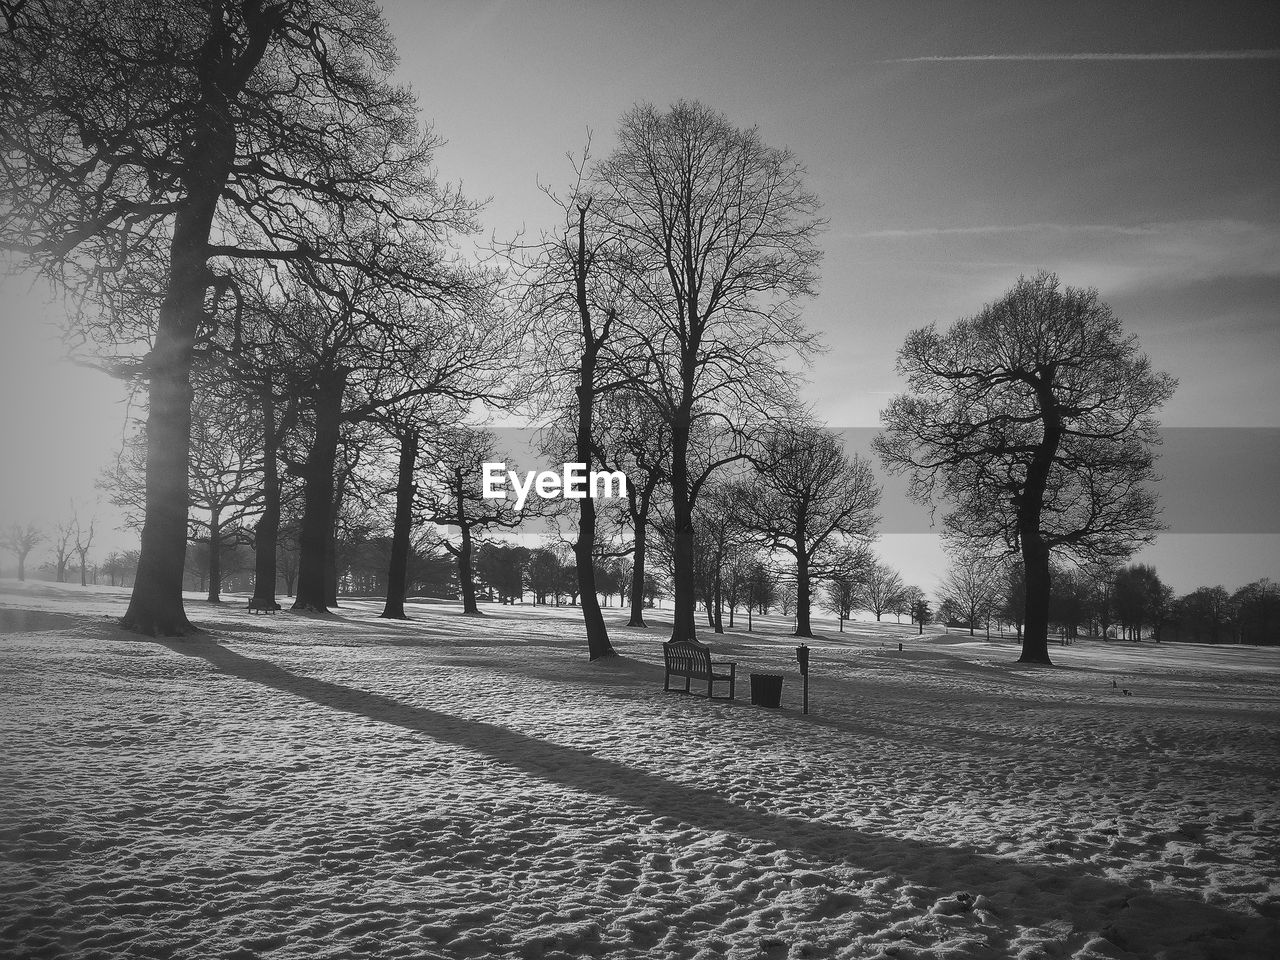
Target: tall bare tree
x=720, y=238
x=808, y=497
x=1035, y=420
x=570, y=285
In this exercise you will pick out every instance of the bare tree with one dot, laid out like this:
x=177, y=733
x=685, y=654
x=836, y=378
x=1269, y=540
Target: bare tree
x=881, y=588
x=808, y=498
x=83, y=541
x=452, y=496
x=365, y=347
x=920, y=611
x=569, y=285
x=844, y=575
x=224, y=476
x=1035, y=421
x=63, y=544
x=220, y=129
x=21, y=540
x=719, y=233
x=972, y=585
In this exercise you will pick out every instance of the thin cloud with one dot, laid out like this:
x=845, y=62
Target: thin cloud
x=987, y=229
x=1265, y=54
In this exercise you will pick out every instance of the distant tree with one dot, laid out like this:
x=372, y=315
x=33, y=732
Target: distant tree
x=501, y=568
x=1012, y=601
x=737, y=572
x=807, y=498
x=1035, y=421
x=920, y=612
x=1204, y=614
x=1141, y=600
x=20, y=541
x=624, y=569
x=632, y=437
x=63, y=544
x=544, y=574
x=901, y=607
x=971, y=585
x=115, y=567
x=606, y=580
x=881, y=588
x=83, y=540
x=719, y=238
x=568, y=584
x=1257, y=611
x=654, y=589
x=844, y=580
x=717, y=542
x=763, y=586
x=452, y=496
x=1069, y=599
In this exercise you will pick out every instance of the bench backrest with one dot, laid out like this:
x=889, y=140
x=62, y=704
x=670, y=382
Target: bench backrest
x=687, y=655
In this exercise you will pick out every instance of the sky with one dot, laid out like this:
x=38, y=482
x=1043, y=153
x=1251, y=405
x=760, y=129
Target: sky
x=954, y=147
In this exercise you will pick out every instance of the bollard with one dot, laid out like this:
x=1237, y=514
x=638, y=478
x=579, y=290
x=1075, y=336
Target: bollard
x=802, y=656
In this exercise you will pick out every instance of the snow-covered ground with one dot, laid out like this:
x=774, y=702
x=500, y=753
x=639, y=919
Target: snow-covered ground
x=471, y=787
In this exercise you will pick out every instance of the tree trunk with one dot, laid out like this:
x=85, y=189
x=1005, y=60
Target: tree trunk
x=466, y=576
x=155, y=606
x=398, y=574
x=215, y=555
x=1035, y=634
x=315, y=537
x=331, y=560
x=598, y=644
x=22, y=566
x=1035, y=553
x=803, y=598
x=718, y=594
x=267, y=533
x=683, y=625
x=466, y=573
x=640, y=520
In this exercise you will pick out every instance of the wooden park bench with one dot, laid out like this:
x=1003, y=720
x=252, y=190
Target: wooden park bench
x=692, y=660
x=263, y=606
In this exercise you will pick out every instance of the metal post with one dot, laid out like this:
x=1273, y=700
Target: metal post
x=802, y=655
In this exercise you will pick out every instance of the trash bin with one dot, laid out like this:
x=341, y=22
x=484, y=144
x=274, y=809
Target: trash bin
x=766, y=689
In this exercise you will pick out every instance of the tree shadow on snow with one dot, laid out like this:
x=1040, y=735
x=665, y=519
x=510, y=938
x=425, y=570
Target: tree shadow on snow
x=1106, y=907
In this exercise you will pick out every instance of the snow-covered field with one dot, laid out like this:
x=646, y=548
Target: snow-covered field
x=472, y=787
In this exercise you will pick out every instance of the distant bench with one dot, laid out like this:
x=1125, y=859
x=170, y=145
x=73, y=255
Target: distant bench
x=263, y=606
x=692, y=660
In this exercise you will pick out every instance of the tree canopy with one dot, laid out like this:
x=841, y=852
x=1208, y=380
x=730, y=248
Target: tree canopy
x=1035, y=421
